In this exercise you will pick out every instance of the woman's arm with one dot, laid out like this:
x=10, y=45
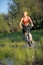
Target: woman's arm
x=21, y=23
x=31, y=21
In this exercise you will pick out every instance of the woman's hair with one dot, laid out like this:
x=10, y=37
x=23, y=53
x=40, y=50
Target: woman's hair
x=26, y=12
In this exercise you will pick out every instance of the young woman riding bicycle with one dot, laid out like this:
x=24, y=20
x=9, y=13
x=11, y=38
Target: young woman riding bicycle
x=24, y=25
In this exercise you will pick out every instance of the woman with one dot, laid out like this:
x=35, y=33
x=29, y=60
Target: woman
x=24, y=25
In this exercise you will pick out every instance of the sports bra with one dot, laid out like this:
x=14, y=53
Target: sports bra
x=26, y=21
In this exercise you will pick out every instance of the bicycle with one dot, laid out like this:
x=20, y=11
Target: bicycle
x=27, y=39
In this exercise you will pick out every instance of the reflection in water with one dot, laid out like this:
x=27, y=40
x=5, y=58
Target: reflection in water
x=7, y=61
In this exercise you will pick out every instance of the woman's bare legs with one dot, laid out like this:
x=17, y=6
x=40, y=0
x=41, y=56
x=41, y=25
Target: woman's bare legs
x=30, y=37
x=27, y=38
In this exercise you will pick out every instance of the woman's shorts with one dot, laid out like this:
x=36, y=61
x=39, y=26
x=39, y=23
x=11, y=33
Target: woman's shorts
x=25, y=29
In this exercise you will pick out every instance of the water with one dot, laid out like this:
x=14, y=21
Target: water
x=7, y=62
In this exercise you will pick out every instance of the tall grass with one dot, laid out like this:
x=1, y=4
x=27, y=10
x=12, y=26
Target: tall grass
x=12, y=47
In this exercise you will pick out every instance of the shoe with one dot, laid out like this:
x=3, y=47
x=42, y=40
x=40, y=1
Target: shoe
x=29, y=43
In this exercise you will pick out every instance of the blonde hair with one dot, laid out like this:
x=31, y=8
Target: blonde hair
x=26, y=12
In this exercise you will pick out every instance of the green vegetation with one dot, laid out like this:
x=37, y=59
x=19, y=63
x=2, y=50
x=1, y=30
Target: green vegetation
x=10, y=22
x=12, y=43
x=12, y=47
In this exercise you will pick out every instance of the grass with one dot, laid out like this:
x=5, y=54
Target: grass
x=11, y=46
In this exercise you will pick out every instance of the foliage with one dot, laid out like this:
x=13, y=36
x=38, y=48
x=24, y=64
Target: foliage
x=3, y=24
x=10, y=22
x=15, y=50
x=35, y=11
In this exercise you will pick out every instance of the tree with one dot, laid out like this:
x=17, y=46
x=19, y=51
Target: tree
x=18, y=6
x=3, y=24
